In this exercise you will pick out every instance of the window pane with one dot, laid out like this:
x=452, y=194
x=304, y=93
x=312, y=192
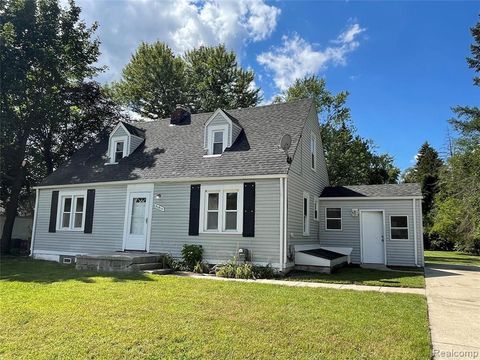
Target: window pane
x=313, y=161
x=67, y=205
x=213, y=201
x=231, y=221
x=118, y=156
x=399, y=233
x=218, y=136
x=137, y=227
x=217, y=148
x=399, y=221
x=119, y=146
x=334, y=224
x=212, y=221
x=66, y=220
x=305, y=207
x=231, y=201
x=77, y=223
x=334, y=213
x=79, y=204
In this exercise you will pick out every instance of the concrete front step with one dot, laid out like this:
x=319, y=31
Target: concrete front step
x=123, y=262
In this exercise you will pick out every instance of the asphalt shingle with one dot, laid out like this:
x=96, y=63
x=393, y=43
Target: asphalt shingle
x=386, y=190
x=177, y=151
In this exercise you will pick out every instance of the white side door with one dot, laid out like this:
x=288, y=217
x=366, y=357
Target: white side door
x=139, y=204
x=373, y=245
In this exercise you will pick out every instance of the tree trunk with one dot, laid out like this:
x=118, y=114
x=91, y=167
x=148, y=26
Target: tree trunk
x=12, y=204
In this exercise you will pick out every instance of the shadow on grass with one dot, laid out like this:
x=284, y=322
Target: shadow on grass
x=362, y=276
x=23, y=269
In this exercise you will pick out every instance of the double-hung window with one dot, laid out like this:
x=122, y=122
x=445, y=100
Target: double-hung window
x=399, y=227
x=313, y=151
x=333, y=218
x=71, y=211
x=306, y=214
x=222, y=209
x=316, y=209
x=217, y=145
x=119, y=146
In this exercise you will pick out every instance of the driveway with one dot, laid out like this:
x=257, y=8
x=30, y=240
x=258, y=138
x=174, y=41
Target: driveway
x=453, y=295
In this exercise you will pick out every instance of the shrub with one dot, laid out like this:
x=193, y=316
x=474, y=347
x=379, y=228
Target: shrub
x=263, y=272
x=229, y=270
x=170, y=263
x=192, y=254
x=244, y=271
x=201, y=267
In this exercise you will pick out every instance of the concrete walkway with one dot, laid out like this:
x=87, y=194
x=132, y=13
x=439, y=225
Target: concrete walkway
x=453, y=295
x=384, y=289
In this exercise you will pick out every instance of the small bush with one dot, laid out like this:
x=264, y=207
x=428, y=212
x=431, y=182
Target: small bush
x=201, y=267
x=263, y=272
x=170, y=263
x=244, y=271
x=192, y=254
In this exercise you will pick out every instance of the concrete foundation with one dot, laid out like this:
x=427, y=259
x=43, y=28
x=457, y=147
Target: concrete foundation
x=124, y=262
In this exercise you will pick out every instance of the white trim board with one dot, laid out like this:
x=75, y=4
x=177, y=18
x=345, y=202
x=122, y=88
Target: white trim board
x=163, y=180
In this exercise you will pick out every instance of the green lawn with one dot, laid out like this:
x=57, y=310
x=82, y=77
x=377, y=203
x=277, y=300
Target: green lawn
x=360, y=276
x=451, y=257
x=52, y=311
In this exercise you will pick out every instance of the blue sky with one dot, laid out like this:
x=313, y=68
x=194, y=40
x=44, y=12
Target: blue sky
x=402, y=62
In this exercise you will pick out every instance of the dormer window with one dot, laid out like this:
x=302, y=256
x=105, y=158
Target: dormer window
x=124, y=139
x=217, y=142
x=221, y=131
x=119, y=148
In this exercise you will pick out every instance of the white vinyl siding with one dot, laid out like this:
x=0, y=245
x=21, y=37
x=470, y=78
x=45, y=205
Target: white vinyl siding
x=399, y=252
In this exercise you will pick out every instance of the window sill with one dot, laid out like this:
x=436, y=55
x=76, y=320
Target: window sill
x=212, y=156
x=337, y=230
x=70, y=230
x=111, y=163
x=221, y=232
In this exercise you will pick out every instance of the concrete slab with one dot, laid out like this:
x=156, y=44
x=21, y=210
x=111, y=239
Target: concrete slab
x=453, y=297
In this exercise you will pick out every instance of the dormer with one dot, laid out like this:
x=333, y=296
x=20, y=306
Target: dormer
x=123, y=141
x=221, y=131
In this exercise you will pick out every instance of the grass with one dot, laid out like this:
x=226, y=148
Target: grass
x=52, y=311
x=451, y=257
x=361, y=276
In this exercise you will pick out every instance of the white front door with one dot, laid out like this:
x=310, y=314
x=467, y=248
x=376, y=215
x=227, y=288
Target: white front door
x=139, y=203
x=372, y=237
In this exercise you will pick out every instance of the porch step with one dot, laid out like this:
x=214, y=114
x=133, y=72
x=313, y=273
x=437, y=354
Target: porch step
x=123, y=262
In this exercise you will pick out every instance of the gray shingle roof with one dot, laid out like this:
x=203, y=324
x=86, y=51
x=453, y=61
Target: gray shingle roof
x=177, y=151
x=387, y=190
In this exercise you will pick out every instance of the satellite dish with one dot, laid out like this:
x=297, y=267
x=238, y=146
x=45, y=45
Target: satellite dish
x=286, y=142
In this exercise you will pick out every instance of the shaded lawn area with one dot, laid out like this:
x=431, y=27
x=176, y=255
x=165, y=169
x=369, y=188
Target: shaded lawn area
x=361, y=276
x=52, y=311
x=451, y=257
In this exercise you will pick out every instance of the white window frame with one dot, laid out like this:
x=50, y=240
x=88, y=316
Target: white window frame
x=306, y=219
x=217, y=128
x=113, y=147
x=313, y=151
x=316, y=210
x=74, y=195
x=396, y=227
x=222, y=190
x=340, y=218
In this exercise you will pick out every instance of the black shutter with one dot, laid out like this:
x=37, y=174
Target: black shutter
x=89, y=211
x=194, y=210
x=52, y=227
x=249, y=209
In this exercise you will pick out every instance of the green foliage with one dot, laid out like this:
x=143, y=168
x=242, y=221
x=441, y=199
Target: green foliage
x=169, y=262
x=153, y=81
x=205, y=78
x=192, y=255
x=214, y=80
x=457, y=207
x=351, y=159
x=232, y=269
x=201, y=267
x=48, y=104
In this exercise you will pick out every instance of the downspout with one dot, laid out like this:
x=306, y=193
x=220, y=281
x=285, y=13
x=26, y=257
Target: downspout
x=285, y=213
x=415, y=231
x=281, y=225
x=35, y=214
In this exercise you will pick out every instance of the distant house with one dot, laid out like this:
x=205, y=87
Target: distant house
x=222, y=180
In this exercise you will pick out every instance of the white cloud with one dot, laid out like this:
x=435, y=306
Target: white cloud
x=296, y=57
x=182, y=24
